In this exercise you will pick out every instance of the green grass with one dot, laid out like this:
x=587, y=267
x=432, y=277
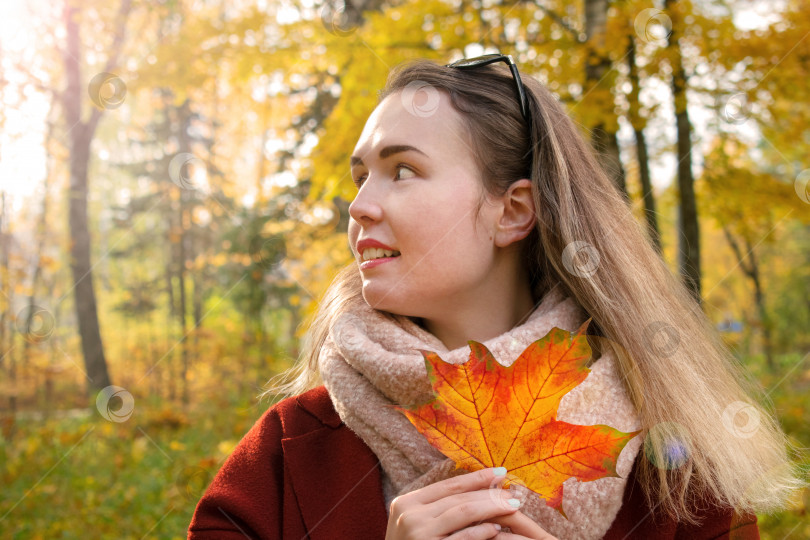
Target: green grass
x=91, y=478
x=789, y=391
x=88, y=478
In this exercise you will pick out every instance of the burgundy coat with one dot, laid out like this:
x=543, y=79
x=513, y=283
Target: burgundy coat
x=301, y=473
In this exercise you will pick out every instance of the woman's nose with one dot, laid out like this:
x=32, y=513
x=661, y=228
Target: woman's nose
x=366, y=208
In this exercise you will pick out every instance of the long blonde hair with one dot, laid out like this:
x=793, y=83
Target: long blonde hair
x=684, y=381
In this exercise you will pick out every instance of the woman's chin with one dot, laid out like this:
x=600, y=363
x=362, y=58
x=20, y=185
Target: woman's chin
x=377, y=301
x=382, y=301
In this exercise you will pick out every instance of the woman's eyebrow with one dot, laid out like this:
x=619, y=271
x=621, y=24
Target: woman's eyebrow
x=388, y=151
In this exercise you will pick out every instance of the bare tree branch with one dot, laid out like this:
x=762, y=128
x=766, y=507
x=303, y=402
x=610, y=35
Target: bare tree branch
x=578, y=36
x=115, y=52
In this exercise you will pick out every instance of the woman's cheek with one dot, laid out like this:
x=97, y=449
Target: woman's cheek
x=353, y=234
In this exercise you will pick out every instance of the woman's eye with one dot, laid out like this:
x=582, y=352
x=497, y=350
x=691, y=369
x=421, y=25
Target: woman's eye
x=403, y=167
x=359, y=181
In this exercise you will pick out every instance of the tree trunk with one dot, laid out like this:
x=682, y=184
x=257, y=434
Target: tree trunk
x=184, y=120
x=7, y=342
x=751, y=269
x=197, y=309
x=603, y=135
x=641, y=148
x=80, y=136
x=5, y=291
x=764, y=317
x=689, y=232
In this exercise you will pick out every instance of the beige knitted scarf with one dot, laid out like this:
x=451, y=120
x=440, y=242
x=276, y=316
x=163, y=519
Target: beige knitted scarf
x=370, y=360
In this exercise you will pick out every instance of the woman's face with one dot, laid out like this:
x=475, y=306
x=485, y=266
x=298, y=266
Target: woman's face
x=419, y=188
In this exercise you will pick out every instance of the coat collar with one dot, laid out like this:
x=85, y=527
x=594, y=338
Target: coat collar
x=335, y=476
x=318, y=403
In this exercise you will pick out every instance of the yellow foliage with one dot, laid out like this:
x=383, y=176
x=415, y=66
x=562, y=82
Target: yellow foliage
x=175, y=445
x=138, y=448
x=226, y=447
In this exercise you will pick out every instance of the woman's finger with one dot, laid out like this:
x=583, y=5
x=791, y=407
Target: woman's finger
x=462, y=483
x=482, y=531
x=472, y=508
x=509, y=536
x=494, y=494
x=521, y=526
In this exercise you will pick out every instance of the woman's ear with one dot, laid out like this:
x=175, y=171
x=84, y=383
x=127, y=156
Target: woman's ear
x=517, y=216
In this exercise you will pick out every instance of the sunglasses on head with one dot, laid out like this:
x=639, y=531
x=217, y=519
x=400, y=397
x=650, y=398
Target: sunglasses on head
x=478, y=61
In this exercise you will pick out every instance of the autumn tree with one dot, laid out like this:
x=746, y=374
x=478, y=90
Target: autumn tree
x=688, y=227
x=736, y=188
x=599, y=81
x=80, y=134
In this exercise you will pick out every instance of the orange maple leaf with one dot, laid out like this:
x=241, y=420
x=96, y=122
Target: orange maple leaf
x=486, y=415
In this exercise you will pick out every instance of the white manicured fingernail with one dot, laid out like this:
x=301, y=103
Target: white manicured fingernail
x=514, y=503
x=499, y=471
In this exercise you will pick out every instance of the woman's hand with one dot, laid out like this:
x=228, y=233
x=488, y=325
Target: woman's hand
x=466, y=507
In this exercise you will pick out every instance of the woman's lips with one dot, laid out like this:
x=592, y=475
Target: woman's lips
x=365, y=265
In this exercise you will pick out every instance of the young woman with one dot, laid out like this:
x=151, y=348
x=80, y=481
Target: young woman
x=482, y=214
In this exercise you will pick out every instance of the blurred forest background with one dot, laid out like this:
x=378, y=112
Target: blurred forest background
x=174, y=186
